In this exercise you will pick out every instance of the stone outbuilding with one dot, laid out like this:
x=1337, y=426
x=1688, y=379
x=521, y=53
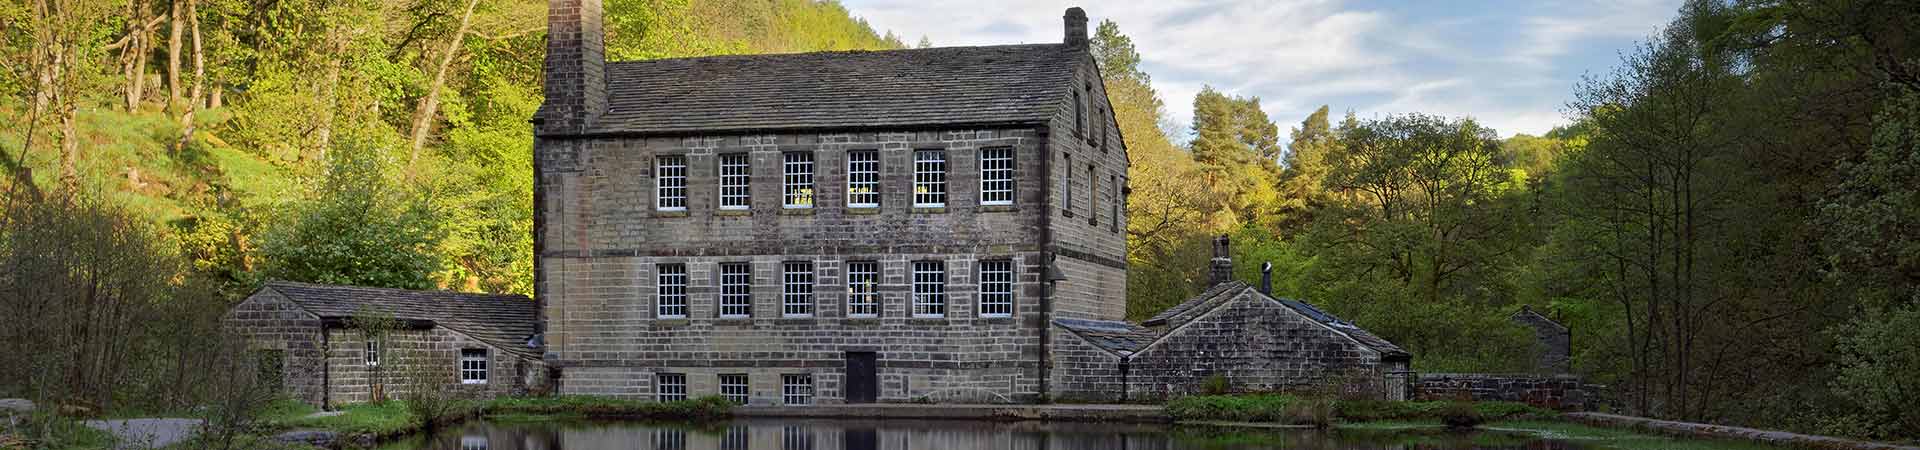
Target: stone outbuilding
x=1245, y=338
x=480, y=345
x=1553, y=341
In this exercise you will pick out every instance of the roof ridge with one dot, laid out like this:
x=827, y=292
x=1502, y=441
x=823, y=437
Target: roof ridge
x=832, y=52
x=388, y=289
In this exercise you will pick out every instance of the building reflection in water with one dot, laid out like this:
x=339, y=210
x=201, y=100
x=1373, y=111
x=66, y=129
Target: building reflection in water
x=932, y=435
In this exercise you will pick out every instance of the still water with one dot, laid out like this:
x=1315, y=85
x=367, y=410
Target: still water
x=796, y=434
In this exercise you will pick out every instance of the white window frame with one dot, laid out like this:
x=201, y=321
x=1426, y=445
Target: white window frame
x=863, y=289
x=372, y=356
x=929, y=288
x=796, y=180
x=996, y=176
x=736, y=290
x=670, y=291
x=668, y=387
x=996, y=288
x=670, y=182
x=796, y=289
x=736, y=181
x=863, y=172
x=474, y=369
x=796, y=389
x=736, y=387
x=930, y=178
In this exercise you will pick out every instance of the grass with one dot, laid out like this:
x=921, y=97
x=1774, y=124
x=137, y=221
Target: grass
x=47, y=431
x=1279, y=408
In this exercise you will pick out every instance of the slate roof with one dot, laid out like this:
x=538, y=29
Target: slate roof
x=1222, y=292
x=1114, y=336
x=985, y=85
x=504, y=321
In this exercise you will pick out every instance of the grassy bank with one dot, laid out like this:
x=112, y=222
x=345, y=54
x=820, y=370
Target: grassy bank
x=393, y=418
x=1289, y=409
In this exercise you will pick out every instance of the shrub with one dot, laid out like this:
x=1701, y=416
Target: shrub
x=1216, y=384
x=1317, y=412
x=1241, y=408
x=1460, y=415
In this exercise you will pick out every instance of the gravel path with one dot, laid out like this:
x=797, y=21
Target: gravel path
x=147, y=433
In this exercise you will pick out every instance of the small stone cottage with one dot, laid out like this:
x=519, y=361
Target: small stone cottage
x=481, y=345
x=1242, y=336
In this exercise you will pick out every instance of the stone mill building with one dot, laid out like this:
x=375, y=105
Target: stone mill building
x=942, y=224
x=827, y=227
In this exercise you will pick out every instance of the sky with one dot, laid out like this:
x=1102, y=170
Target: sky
x=1511, y=65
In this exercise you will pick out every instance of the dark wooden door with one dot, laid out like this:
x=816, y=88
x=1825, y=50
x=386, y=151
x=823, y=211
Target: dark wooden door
x=863, y=377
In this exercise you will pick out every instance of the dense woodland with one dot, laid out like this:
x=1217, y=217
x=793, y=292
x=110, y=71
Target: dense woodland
x=1729, y=223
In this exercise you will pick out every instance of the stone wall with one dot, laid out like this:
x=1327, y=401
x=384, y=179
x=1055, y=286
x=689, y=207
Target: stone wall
x=1091, y=240
x=1553, y=343
x=1083, y=372
x=1259, y=346
x=1558, y=392
x=272, y=323
x=430, y=352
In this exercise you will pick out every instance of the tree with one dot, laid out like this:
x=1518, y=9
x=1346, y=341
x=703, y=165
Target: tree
x=357, y=227
x=1238, y=150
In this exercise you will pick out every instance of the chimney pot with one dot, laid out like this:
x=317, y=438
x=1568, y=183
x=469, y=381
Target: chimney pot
x=1076, y=19
x=1266, y=278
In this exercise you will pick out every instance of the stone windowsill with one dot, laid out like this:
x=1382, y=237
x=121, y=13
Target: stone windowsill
x=929, y=210
x=864, y=210
x=733, y=212
x=997, y=208
x=927, y=321
x=796, y=211
x=671, y=323
x=680, y=213
x=1066, y=213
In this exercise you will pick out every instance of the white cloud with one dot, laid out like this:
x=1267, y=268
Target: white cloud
x=1510, y=69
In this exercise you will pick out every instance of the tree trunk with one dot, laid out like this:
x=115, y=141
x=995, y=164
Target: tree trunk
x=175, y=31
x=423, y=116
x=324, y=135
x=199, y=78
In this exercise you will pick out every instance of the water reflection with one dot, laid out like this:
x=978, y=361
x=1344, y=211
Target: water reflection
x=936, y=435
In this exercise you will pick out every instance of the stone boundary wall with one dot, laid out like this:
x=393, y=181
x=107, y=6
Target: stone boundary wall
x=1557, y=392
x=1701, y=430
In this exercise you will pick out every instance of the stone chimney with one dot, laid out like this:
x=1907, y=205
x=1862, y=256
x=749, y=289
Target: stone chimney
x=1076, y=27
x=576, y=76
x=1222, y=260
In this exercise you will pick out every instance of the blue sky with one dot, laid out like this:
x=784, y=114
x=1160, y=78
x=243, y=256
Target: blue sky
x=1512, y=65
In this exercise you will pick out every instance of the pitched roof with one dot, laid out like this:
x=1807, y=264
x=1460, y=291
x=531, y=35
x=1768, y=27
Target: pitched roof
x=504, y=321
x=983, y=85
x=1118, y=337
x=1220, y=293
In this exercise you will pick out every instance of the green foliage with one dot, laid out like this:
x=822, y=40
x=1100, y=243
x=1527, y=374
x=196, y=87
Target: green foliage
x=358, y=227
x=1216, y=384
x=1238, y=408
x=1879, y=355
x=1460, y=415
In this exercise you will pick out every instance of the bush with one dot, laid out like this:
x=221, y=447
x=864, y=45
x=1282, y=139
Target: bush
x=1239, y=408
x=1317, y=412
x=1461, y=415
x=1216, y=384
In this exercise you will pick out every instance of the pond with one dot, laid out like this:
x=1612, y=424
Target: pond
x=801, y=434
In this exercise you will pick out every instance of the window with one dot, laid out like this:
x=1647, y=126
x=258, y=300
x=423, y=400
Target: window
x=1093, y=196
x=1079, y=123
x=929, y=289
x=373, y=351
x=670, y=297
x=736, y=290
x=473, y=366
x=996, y=288
x=736, y=177
x=733, y=387
x=1115, y=197
x=799, y=179
x=668, y=387
x=796, y=389
x=796, y=294
x=863, y=179
x=670, y=181
x=1068, y=195
x=863, y=289
x=996, y=176
x=930, y=178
